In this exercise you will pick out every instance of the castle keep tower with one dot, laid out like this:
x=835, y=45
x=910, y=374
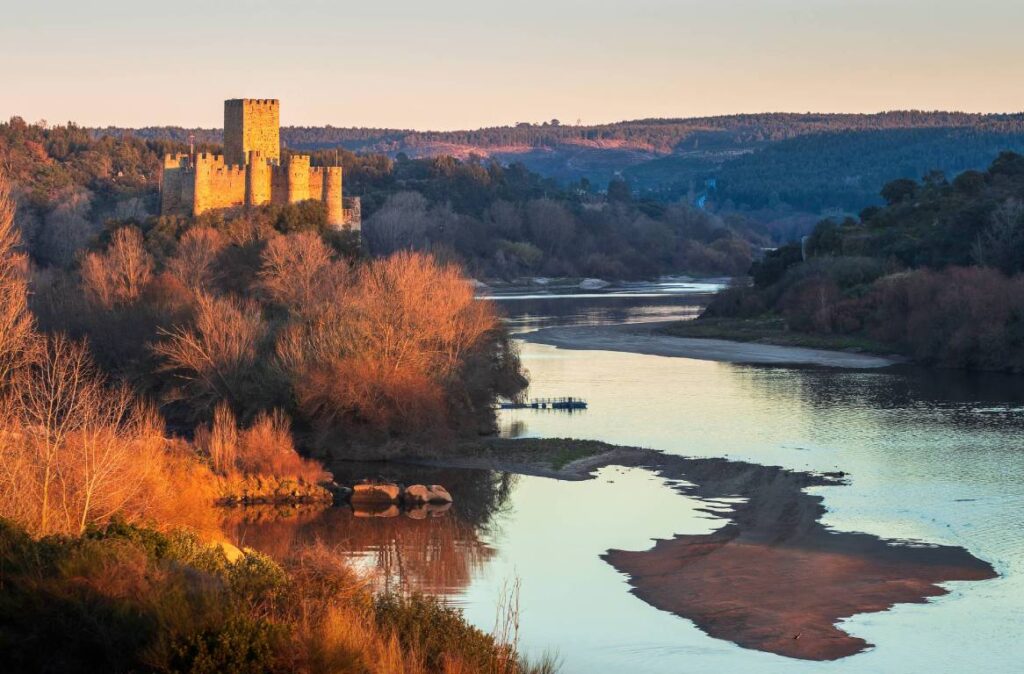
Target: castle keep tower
x=250, y=172
x=252, y=125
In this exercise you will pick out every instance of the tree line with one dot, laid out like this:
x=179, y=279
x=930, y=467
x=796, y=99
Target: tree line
x=936, y=272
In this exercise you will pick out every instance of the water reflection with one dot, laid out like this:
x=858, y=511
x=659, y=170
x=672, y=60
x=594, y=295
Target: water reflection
x=434, y=549
x=930, y=456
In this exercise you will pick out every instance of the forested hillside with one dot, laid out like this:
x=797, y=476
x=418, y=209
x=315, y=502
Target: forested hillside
x=497, y=221
x=771, y=165
x=936, y=273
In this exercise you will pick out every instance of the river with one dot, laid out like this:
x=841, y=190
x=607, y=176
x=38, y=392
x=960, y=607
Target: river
x=929, y=458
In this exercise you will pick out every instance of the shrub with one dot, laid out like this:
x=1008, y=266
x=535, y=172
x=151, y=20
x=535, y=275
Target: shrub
x=123, y=598
x=265, y=447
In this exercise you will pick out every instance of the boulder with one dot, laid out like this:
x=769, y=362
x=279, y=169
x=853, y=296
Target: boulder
x=418, y=494
x=593, y=284
x=376, y=493
x=439, y=494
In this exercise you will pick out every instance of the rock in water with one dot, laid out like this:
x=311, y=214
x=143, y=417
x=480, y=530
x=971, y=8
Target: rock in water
x=593, y=284
x=376, y=493
x=419, y=494
x=416, y=494
x=439, y=494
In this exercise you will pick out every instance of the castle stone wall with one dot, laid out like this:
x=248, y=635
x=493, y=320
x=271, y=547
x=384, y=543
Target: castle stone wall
x=316, y=183
x=252, y=125
x=175, y=167
x=258, y=185
x=249, y=173
x=298, y=178
x=332, y=196
x=217, y=185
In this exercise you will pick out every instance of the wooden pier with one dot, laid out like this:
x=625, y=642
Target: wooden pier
x=569, y=404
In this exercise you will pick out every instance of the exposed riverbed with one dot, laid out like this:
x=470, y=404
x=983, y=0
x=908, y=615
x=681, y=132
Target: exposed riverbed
x=929, y=458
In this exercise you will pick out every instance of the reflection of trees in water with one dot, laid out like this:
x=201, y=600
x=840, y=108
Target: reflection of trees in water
x=610, y=308
x=436, y=554
x=974, y=399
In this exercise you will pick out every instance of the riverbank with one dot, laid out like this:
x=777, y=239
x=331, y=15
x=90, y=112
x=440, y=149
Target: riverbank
x=650, y=339
x=773, y=330
x=773, y=577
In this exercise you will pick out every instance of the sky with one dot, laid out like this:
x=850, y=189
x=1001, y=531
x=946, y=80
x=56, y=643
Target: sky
x=457, y=64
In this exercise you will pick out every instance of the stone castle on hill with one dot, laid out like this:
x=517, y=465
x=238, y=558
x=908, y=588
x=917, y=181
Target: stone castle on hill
x=250, y=172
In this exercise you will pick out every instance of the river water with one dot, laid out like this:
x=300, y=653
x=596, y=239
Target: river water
x=930, y=457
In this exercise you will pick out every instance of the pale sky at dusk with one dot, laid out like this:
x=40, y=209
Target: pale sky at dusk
x=452, y=64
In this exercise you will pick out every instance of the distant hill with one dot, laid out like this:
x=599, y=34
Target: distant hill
x=810, y=163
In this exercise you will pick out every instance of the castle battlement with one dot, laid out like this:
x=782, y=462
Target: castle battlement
x=234, y=102
x=250, y=171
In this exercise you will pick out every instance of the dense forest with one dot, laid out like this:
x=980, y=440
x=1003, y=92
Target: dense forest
x=935, y=273
x=497, y=221
x=658, y=135
x=782, y=169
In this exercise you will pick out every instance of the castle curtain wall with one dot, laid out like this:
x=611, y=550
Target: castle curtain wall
x=250, y=173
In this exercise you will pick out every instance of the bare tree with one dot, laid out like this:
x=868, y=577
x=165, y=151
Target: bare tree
x=67, y=228
x=118, y=275
x=195, y=262
x=54, y=401
x=297, y=272
x=16, y=336
x=402, y=223
x=217, y=356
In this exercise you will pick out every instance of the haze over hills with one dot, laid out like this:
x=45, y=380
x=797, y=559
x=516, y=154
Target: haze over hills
x=805, y=163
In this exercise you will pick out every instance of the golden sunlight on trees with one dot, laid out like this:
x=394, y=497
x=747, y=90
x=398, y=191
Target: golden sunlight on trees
x=15, y=320
x=297, y=270
x=388, y=347
x=77, y=452
x=73, y=450
x=118, y=275
x=265, y=447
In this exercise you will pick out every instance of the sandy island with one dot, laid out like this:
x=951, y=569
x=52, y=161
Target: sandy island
x=644, y=338
x=772, y=578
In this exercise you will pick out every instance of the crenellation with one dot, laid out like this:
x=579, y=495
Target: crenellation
x=250, y=172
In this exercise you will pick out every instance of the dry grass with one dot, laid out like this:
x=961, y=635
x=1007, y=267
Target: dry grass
x=79, y=452
x=265, y=447
x=76, y=452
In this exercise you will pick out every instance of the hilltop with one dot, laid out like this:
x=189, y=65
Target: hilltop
x=773, y=162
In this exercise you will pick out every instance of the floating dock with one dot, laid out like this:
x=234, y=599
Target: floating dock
x=569, y=404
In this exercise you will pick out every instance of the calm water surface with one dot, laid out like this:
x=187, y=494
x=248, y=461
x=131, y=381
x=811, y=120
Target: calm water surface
x=932, y=457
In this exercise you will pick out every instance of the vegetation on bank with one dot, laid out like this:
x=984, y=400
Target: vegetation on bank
x=935, y=274
x=105, y=521
x=122, y=598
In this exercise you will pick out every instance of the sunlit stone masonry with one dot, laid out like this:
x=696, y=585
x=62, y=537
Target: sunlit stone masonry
x=250, y=172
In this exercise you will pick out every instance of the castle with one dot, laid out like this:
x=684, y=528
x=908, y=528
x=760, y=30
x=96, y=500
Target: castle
x=250, y=172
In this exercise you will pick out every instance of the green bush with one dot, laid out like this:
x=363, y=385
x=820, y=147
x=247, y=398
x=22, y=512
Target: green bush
x=423, y=623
